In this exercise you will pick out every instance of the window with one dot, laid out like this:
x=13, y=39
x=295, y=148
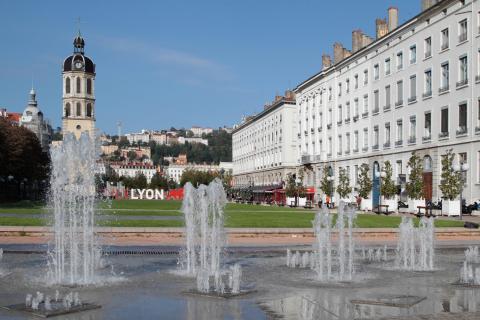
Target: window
x=89, y=110
x=399, y=93
x=413, y=54
x=340, y=89
x=413, y=89
x=399, y=60
x=330, y=147
x=67, y=85
x=428, y=47
x=398, y=168
x=445, y=77
x=330, y=94
x=79, y=109
x=79, y=85
x=413, y=129
x=89, y=86
x=375, y=137
x=463, y=72
x=376, y=98
x=355, y=107
x=444, y=39
x=339, y=144
x=365, y=139
x=399, y=132
x=387, y=135
x=428, y=84
x=365, y=77
x=462, y=118
x=355, y=141
x=67, y=110
x=376, y=72
x=444, y=122
x=365, y=105
x=428, y=126
x=355, y=173
x=347, y=111
x=347, y=150
x=387, y=97
x=387, y=66
x=347, y=86
x=356, y=81
x=340, y=116
x=330, y=117
x=462, y=30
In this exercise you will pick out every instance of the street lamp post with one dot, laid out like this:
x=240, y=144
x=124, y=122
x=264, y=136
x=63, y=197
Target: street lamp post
x=462, y=169
x=380, y=175
x=330, y=179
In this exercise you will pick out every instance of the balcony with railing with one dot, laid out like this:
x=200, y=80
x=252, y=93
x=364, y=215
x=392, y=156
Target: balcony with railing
x=443, y=135
x=365, y=114
x=398, y=143
x=399, y=103
x=444, y=46
x=412, y=99
x=386, y=145
x=375, y=111
x=443, y=89
x=428, y=54
x=387, y=107
x=462, y=83
x=312, y=130
x=375, y=147
x=339, y=122
x=461, y=131
x=427, y=94
x=347, y=120
x=347, y=152
x=355, y=118
x=462, y=37
x=412, y=140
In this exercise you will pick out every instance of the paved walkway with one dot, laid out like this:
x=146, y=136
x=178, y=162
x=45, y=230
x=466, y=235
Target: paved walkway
x=441, y=316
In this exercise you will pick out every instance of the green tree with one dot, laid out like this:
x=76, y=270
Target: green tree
x=172, y=184
x=131, y=155
x=159, y=182
x=123, y=143
x=451, y=181
x=343, y=188
x=326, y=185
x=415, y=180
x=140, y=181
x=364, y=182
x=388, y=187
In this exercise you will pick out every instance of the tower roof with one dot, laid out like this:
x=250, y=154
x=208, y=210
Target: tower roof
x=78, y=61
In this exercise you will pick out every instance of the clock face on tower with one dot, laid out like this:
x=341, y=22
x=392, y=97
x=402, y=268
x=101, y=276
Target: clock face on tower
x=78, y=65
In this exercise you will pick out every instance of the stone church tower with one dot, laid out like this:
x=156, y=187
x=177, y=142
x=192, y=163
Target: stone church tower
x=78, y=91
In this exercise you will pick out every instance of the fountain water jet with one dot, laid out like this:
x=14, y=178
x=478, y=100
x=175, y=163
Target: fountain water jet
x=75, y=252
x=205, y=239
x=416, y=246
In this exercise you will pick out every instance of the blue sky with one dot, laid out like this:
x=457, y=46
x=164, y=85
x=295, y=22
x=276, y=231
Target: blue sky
x=176, y=63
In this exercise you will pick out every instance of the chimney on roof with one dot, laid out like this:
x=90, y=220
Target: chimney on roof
x=326, y=61
x=426, y=4
x=381, y=27
x=289, y=94
x=366, y=40
x=392, y=18
x=338, y=52
x=356, y=40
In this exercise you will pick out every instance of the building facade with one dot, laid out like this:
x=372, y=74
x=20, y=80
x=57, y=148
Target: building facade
x=32, y=119
x=78, y=91
x=175, y=171
x=264, y=146
x=132, y=170
x=416, y=87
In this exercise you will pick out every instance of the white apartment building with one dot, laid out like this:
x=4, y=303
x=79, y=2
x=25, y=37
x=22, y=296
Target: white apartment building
x=134, y=169
x=416, y=87
x=175, y=171
x=143, y=137
x=199, y=131
x=264, y=145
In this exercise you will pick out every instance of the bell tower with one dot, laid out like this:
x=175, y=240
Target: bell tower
x=78, y=96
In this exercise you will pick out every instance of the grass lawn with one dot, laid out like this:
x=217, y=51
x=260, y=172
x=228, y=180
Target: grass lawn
x=237, y=215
